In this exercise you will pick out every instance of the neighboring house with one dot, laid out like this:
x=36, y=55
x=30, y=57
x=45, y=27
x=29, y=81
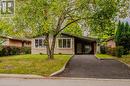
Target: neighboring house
x=66, y=44
x=110, y=42
x=10, y=41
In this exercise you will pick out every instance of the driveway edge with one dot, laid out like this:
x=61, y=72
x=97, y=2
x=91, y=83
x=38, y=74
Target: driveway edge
x=62, y=69
x=124, y=63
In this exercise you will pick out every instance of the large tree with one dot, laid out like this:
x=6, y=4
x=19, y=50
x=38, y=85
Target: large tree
x=122, y=36
x=50, y=17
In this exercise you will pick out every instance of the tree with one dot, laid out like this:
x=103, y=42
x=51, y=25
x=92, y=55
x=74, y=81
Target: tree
x=118, y=34
x=122, y=36
x=50, y=17
x=4, y=30
x=74, y=29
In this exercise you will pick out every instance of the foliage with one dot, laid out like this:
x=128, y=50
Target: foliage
x=119, y=51
x=74, y=29
x=4, y=27
x=103, y=49
x=32, y=64
x=11, y=50
x=122, y=36
x=50, y=17
x=125, y=59
x=111, y=51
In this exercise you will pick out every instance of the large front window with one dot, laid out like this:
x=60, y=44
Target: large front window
x=64, y=43
x=39, y=43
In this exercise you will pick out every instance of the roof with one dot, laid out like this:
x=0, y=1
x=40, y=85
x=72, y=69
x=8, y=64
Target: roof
x=18, y=39
x=82, y=37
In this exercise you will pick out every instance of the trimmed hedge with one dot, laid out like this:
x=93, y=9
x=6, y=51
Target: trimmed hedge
x=11, y=50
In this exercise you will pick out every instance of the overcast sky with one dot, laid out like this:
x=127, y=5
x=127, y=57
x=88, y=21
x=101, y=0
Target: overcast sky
x=126, y=20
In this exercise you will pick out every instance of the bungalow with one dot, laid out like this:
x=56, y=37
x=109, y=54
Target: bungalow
x=66, y=44
x=10, y=41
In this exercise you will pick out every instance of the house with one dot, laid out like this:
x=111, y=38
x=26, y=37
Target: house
x=10, y=41
x=66, y=44
x=110, y=42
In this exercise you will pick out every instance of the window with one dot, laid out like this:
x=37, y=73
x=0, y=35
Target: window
x=39, y=43
x=64, y=43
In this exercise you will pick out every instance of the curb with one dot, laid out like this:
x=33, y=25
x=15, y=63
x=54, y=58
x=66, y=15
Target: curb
x=124, y=63
x=62, y=69
x=22, y=76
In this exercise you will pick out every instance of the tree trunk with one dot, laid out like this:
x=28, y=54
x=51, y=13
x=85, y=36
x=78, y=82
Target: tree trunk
x=50, y=48
x=53, y=47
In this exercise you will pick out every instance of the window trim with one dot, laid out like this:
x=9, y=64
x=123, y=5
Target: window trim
x=62, y=46
x=38, y=42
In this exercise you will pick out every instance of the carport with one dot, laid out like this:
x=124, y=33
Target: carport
x=85, y=45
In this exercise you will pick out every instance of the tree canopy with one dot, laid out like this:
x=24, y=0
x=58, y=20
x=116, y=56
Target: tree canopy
x=38, y=17
x=122, y=36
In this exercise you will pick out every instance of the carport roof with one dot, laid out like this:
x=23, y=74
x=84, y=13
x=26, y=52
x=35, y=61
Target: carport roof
x=82, y=37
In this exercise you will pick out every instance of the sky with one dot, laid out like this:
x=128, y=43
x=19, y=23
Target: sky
x=126, y=20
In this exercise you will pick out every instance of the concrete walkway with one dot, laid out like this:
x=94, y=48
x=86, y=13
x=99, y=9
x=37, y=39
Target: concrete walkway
x=62, y=82
x=87, y=66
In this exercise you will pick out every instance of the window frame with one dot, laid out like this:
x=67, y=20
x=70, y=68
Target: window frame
x=43, y=46
x=66, y=43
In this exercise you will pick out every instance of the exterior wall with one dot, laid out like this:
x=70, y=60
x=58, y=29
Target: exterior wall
x=27, y=44
x=42, y=50
x=15, y=43
x=111, y=43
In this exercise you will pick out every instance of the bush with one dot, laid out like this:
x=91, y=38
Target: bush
x=11, y=50
x=119, y=51
x=103, y=49
x=111, y=51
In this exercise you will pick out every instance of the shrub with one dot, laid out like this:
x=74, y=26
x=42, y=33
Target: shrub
x=119, y=51
x=11, y=50
x=111, y=51
x=103, y=49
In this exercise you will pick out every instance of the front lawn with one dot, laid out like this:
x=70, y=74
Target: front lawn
x=32, y=64
x=104, y=56
x=125, y=59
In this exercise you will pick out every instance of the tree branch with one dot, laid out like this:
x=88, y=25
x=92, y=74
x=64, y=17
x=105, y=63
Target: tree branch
x=67, y=25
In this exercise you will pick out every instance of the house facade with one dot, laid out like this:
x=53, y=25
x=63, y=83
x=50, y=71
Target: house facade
x=66, y=44
x=9, y=41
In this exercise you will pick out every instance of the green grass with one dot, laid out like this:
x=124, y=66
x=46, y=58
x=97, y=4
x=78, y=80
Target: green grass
x=32, y=64
x=125, y=59
x=104, y=56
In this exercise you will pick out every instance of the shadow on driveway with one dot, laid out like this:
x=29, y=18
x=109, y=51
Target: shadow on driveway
x=87, y=66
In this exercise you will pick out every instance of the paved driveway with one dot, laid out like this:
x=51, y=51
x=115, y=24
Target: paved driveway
x=87, y=66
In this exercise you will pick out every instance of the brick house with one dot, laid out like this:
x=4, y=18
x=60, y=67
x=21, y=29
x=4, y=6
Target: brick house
x=10, y=41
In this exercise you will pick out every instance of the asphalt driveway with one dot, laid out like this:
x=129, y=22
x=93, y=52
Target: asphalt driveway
x=88, y=66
